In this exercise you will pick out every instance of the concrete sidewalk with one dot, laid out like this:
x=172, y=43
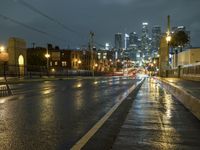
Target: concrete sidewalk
x=186, y=91
x=157, y=120
x=192, y=87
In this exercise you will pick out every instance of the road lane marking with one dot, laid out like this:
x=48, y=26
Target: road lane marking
x=78, y=145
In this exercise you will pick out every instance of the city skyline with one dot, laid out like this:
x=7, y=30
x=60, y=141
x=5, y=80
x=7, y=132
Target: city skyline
x=70, y=22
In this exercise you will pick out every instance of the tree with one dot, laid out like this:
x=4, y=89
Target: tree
x=179, y=39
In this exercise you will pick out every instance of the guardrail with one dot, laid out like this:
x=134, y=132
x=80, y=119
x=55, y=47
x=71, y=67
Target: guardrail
x=191, y=71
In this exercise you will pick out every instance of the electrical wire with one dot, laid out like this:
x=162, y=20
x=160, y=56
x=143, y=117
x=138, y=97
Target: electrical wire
x=34, y=9
x=29, y=27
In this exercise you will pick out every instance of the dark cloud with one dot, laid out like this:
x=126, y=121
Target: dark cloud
x=104, y=17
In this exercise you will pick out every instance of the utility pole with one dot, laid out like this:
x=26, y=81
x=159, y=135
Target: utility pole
x=91, y=45
x=168, y=24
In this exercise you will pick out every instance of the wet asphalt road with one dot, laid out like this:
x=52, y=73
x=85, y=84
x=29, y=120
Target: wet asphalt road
x=55, y=114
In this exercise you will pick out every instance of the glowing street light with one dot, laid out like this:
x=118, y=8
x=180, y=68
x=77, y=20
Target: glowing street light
x=3, y=54
x=2, y=49
x=96, y=65
x=79, y=62
x=168, y=38
x=47, y=55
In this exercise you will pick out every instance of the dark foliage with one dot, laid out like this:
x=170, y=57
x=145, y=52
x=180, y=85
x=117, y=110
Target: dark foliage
x=179, y=38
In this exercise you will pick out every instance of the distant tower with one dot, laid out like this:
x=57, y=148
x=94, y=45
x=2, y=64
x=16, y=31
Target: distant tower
x=156, y=36
x=118, y=41
x=118, y=45
x=133, y=38
x=126, y=41
x=145, y=43
x=133, y=45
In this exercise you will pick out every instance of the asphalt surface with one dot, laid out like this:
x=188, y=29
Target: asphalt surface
x=158, y=121
x=55, y=114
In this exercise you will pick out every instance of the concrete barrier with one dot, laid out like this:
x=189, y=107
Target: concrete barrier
x=190, y=102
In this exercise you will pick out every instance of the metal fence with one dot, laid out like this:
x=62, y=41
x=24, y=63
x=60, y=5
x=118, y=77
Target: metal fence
x=185, y=71
x=41, y=71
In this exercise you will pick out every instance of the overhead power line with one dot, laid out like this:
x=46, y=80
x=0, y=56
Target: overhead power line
x=29, y=27
x=34, y=9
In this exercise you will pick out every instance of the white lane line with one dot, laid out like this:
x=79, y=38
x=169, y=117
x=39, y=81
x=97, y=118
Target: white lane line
x=96, y=127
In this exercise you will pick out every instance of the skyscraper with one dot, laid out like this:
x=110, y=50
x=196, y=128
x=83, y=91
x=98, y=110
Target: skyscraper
x=126, y=41
x=118, y=45
x=133, y=45
x=156, y=36
x=133, y=39
x=145, y=43
x=118, y=41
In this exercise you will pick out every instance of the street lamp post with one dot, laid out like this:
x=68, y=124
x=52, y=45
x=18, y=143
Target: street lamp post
x=4, y=59
x=79, y=64
x=47, y=55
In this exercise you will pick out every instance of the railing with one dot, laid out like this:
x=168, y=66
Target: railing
x=185, y=71
x=40, y=71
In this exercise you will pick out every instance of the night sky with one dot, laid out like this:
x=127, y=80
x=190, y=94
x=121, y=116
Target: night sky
x=69, y=21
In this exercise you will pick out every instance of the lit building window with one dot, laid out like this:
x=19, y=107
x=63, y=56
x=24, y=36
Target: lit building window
x=104, y=57
x=56, y=63
x=50, y=63
x=64, y=63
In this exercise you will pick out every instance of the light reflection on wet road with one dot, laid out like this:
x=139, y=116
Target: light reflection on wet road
x=55, y=114
x=158, y=121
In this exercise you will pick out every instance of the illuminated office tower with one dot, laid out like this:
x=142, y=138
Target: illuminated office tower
x=145, y=41
x=156, y=36
x=118, y=45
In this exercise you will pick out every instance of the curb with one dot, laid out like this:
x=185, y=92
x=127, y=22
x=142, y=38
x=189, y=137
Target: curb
x=190, y=102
